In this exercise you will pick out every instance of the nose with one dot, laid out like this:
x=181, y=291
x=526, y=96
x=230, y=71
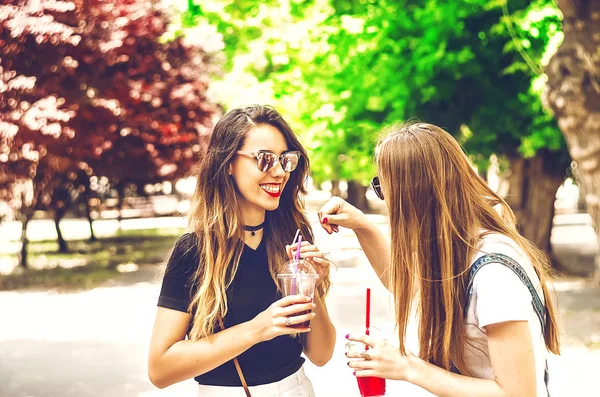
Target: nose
x=277, y=170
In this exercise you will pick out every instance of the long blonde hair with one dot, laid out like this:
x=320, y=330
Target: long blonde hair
x=216, y=219
x=438, y=206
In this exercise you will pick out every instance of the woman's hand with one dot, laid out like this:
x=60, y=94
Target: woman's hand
x=381, y=360
x=278, y=318
x=313, y=255
x=337, y=212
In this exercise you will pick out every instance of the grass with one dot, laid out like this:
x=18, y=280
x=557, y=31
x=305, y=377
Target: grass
x=88, y=264
x=82, y=277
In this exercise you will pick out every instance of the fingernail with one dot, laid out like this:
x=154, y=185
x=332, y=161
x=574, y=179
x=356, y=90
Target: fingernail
x=347, y=336
x=348, y=363
x=354, y=373
x=324, y=220
x=329, y=232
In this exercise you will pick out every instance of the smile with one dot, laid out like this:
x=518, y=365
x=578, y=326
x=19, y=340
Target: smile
x=272, y=189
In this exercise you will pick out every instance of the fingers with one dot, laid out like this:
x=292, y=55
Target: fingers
x=325, y=225
x=321, y=261
x=361, y=365
x=311, y=254
x=307, y=250
x=293, y=309
x=295, y=320
x=328, y=214
x=354, y=354
x=366, y=339
x=291, y=300
x=366, y=373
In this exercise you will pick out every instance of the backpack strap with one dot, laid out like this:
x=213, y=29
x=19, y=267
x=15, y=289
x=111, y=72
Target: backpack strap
x=538, y=306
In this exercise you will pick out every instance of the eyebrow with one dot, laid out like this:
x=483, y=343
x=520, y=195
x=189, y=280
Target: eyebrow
x=272, y=151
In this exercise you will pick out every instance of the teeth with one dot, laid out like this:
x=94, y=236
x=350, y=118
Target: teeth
x=270, y=188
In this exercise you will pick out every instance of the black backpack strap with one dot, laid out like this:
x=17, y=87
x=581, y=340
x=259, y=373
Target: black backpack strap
x=509, y=262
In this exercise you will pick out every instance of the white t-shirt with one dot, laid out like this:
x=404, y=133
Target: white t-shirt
x=499, y=295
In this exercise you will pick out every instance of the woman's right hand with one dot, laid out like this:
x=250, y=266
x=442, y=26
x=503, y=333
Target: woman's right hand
x=338, y=212
x=272, y=322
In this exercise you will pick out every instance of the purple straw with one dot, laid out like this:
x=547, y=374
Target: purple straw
x=295, y=278
x=295, y=236
x=298, y=251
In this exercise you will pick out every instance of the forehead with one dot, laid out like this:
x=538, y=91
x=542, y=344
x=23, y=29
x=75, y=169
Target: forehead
x=265, y=137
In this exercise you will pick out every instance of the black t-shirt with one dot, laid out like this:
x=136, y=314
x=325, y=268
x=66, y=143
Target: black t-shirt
x=251, y=292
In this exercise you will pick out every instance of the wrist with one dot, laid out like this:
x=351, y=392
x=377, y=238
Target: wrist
x=253, y=332
x=413, y=369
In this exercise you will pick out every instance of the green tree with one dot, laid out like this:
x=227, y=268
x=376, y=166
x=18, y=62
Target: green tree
x=346, y=68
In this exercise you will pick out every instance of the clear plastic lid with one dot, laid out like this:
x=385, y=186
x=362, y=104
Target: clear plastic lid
x=293, y=267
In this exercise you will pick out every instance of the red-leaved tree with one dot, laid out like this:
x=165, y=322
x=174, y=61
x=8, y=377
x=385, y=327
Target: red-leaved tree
x=90, y=88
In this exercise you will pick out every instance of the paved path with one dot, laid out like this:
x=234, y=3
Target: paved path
x=94, y=343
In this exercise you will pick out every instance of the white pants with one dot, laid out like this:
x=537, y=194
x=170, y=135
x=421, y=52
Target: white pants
x=295, y=385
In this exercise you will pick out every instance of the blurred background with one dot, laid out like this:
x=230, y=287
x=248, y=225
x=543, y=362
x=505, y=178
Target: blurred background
x=106, y=107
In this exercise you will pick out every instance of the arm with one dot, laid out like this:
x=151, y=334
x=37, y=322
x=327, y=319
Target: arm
x=511, y=355
x=377, y=249
x=337, y=212
x=320, y=342
x=173, y=359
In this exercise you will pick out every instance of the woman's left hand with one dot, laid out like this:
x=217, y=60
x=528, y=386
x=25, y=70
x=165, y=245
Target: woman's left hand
x=382, y=360
x=312, y=254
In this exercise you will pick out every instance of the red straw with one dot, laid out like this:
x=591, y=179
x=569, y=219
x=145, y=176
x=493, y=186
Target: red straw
x=368, y=309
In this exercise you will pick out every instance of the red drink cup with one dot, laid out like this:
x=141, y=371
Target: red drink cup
x=368, y=386
x=371, y=386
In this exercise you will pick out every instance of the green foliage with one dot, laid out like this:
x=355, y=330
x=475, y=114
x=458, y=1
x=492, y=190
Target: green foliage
x=344, y=69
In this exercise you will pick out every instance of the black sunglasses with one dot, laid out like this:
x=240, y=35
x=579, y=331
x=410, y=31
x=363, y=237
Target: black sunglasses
x=266, y=160
x=377, y=187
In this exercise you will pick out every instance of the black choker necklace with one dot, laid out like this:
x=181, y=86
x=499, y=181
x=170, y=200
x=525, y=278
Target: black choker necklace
x=253, y=229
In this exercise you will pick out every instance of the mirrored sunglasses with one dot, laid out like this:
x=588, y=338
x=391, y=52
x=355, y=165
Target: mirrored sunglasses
x=266, y=160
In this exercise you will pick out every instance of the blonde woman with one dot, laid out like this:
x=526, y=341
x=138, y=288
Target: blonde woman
x=219, y=305
x=486, y=319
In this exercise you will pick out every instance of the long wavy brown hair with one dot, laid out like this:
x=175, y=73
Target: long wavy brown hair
x=216, y=219
x=440, y=209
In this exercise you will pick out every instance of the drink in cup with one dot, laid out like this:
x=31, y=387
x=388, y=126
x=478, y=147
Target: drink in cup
x=368, y=386
x=298, y=278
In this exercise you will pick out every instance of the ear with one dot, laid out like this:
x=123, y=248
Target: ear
x=230, y=169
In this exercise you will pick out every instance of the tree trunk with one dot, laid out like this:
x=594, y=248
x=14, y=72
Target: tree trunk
x=573, y=93
x=335, y=188
x=88, y=208
x=62, y=244
x=532, y=193
x=357, y=195
x=120, y=201
x=88, y=213
x=26, y=215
